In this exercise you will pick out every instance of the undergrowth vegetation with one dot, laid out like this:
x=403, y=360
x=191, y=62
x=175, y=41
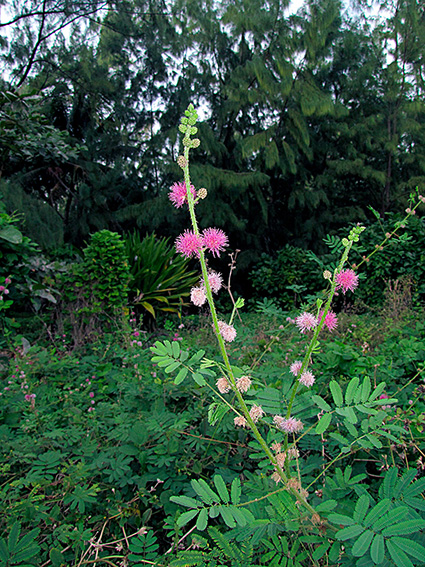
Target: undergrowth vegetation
x=128, y=445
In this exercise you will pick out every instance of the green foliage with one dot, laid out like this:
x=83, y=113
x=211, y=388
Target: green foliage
x=160, y=278
x=18, y=550
x=376, y=530
x=285, y=276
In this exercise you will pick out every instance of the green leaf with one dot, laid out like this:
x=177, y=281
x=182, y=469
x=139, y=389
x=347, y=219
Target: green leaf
x=416, y=488
x=392, y=517
x=362, y=544
x=14, y=536
x=186, y=517
x=11, y=234
x=350, y=532
x=351, y=389
x=199, y=379
x=185, y=501
x=377, y=549
x=202, y=521
x=389, y=483
x=4, y=552
x=398, y=555
x=377, y=391
x=323, y=423
x=181, y=376
x=320, y=551
x=377, y=511
x=204, y=491
x=227, y=516
x=221, y=488
x=235, y=490
x=361, y=508
x=404, y=481
x=175, y=348
x=408, y=527
x=341, y=519
x=336, y=392
x=56, y=557
x=320, y=402
x=326, y=506
x=366, y=387
x=172, y=367
x=411, y=547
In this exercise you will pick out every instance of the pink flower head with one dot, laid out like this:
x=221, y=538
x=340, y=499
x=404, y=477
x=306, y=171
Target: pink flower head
x=331, y=320
x=306, y=322
x=7, y=281
x=214, y=240
x=243, y=384
x=215, y=280
x=91, y=394
x=197, y=296
x=295, y=367
x=178, y=194
x=307, y=378
x=228, y=332
x=346, y=280
x=290, y=425
x=188, y=244
x=256, y=412
x=223, y=385
x=2, y=288
x=240, y=421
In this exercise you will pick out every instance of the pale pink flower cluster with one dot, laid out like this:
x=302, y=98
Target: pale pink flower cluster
x=243, y=384
x=228, y=332
x=346, y=280
x=256, y=412
x=240, y=421
x=223, y=385
x=295, y=367
x=198, y=296
x=190, y=244
x=307, y=378
x=306, y=322
x=288, y=425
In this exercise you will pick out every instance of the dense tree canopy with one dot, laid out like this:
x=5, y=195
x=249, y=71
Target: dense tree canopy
x=309, y=117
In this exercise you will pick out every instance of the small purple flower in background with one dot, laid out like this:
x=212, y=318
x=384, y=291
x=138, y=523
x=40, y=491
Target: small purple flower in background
x=331, y=320
x=346, y=280
x=188, y=244
x=228, y=332
x=197, y=296
x=307, y=378
x=214, y=240
x=178, y=194
x=295, y=367
x=91, y=394
x=306, y=322
x=29, y=397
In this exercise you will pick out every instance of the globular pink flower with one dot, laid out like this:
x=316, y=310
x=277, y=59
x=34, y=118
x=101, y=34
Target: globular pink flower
x=240, y=421
x=188, y=244
x=215, y=280
x=228, y=332
x=290, y=425
x=331, y=320
x=7, y=281
x=2, y=288
x=198, y=296
x=214, y=240
x=346, y=280
x=295, y=367
x=306, y=322
x=223, y=385
x=256, y=412
x=306, y=378
x=178, y=194
x=243, y=384
x=91, y=394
